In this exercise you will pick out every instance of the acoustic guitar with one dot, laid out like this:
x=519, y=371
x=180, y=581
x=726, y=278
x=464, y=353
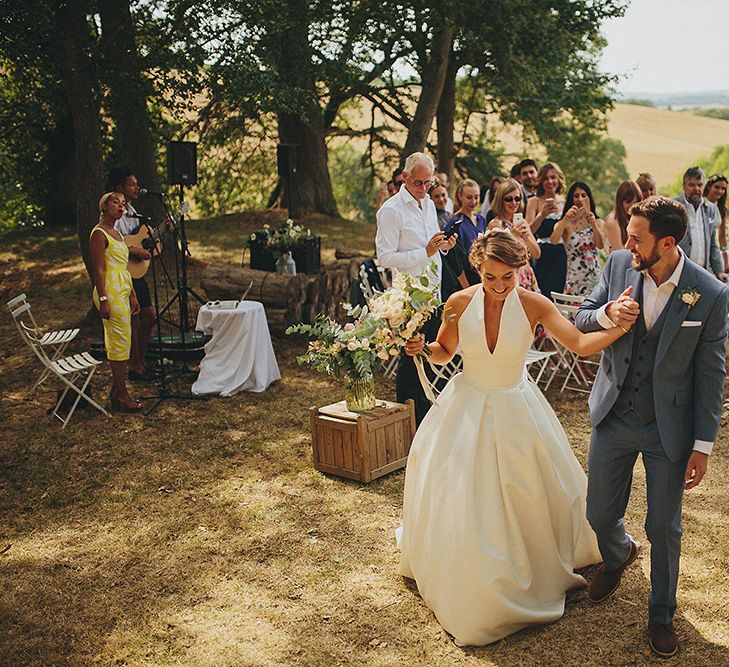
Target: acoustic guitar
x=149, y=238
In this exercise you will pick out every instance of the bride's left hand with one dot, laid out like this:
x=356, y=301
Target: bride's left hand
x=415, y=345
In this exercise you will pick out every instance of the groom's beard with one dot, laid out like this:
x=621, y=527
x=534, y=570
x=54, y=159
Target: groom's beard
x=645, y=262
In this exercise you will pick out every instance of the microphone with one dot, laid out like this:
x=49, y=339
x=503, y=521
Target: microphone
x=137, y=216
x=144, y=191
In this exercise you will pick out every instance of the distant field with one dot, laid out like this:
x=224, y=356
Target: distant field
x=664, y=142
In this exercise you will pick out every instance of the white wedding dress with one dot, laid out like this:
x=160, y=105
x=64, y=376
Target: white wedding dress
x=494, y=508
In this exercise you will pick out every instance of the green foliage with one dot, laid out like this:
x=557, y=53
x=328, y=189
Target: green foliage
x=638, y=102
x=721, y=113
x=716, y=163
x=352, y=183
x=594, y=158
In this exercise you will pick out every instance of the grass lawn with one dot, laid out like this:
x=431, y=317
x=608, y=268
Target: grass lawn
x=201, y=535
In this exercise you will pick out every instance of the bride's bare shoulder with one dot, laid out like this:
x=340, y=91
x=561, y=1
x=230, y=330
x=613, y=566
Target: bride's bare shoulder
x=458, y=301
x=534, y=304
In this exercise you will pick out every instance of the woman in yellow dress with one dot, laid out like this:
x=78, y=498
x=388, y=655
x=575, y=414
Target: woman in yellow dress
x=114, y=296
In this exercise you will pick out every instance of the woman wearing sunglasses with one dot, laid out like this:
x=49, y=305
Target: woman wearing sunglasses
x=507, y=205
x=542, y=213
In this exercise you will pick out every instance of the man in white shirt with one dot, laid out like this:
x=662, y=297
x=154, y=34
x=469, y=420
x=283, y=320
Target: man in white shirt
x=658, y=394
x=409, y=240
x=121, y=179
x=701, y=243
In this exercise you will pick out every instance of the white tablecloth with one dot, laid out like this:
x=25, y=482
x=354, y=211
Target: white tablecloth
x=239, y=356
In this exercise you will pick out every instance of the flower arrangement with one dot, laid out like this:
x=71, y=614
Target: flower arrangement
x=354, y=350
x=404, y=308
x=282, y=239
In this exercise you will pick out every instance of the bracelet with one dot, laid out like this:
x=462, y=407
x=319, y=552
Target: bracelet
x=103, y=298
x=624, y=329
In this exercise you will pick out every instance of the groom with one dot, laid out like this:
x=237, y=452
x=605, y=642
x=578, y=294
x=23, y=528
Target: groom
x=658, y=393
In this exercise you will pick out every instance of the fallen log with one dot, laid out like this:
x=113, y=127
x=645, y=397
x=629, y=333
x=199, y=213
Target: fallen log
x=222, y=281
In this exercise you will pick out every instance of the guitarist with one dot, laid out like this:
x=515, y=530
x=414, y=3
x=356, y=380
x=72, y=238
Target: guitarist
x=122, y=179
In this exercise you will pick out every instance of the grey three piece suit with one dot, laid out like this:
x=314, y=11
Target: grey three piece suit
x=656, y=392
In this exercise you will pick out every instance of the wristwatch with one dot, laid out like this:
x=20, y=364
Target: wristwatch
x=102, y=298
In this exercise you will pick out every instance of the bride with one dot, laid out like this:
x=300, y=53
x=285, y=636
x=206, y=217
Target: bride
x=494, y=508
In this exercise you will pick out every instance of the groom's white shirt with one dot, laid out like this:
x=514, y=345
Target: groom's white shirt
x=655, y=299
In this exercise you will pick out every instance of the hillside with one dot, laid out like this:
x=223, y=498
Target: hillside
x=664, y=142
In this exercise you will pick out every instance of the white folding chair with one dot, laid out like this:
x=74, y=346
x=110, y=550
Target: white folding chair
x=434, y=383
x=69, y=370
x=56, y=341
x=568, y=305
x=539, y=360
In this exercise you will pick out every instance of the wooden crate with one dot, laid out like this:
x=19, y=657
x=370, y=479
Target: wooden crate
x=362, y=446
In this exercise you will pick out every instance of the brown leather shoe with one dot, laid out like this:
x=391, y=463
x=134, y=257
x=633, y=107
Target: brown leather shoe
x=663, y=639
x=606, y=582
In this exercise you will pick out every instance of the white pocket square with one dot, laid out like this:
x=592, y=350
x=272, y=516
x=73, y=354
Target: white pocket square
x=691, y=323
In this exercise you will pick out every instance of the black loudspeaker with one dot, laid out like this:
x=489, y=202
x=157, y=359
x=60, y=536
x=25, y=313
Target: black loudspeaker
x=182, y=163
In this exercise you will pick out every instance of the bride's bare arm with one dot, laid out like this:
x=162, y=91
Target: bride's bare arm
x=541, y=309
x=445, y=346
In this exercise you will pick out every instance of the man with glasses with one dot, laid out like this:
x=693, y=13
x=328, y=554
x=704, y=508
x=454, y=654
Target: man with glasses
x=409, y=240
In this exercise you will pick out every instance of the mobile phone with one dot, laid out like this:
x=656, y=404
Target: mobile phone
x=518, y=217
x=452, y=227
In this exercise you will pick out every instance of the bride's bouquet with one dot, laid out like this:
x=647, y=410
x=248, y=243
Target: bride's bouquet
x=403, y=309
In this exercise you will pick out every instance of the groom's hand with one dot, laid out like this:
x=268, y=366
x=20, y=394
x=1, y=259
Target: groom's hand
x=624, y=311
x=696, y=469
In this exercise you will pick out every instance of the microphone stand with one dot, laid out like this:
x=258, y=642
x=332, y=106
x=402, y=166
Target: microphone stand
x=163, y=392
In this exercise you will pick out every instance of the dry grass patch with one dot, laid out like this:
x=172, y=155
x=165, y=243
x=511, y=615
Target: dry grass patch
x=201, y=535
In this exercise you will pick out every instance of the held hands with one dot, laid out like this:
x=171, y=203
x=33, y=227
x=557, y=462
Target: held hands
x=624, y=311
x=415, y=345
x=696, y=469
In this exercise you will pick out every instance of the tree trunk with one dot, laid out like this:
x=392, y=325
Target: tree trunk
x=445, y=120
x=311, y=188
x=74, y=43
x=432, y=80
x=60, y=200
x=128, y=94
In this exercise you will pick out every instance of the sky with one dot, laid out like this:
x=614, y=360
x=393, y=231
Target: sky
x=669, y=46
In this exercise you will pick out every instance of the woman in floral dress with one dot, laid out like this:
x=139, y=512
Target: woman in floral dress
x=581, y=231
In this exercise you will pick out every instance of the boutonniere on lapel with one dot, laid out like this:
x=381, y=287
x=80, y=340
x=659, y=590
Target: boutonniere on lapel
x=690, y=296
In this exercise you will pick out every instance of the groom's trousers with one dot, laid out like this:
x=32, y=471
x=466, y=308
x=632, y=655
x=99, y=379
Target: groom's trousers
x=614, y=448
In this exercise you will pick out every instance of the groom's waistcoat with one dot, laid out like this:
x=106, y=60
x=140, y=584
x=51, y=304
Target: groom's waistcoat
x=636, y=392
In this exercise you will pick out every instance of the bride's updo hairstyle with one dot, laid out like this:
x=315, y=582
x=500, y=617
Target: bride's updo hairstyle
x=500, y=245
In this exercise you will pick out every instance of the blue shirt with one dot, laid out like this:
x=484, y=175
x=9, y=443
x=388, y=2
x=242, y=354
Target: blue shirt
x=467, y=231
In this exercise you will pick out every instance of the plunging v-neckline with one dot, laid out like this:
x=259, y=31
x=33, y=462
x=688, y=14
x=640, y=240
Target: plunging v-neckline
x=498, y=328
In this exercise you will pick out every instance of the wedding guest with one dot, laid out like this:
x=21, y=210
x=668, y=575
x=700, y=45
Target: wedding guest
x=528, y=171
x=439, y=196
x=467, y=205
x=579, y=229
x=114, y=296
x=494, y=505
x=616, y=222
x=715, y=193
x=408, y=239
x=446, y=182
x=487, y=196
x=647, y=184
x=507, y=204
x=700, y=243
x=658, y=395
x=542, y=213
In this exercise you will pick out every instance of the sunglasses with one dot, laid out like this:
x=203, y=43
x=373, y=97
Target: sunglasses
x=508, y=199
